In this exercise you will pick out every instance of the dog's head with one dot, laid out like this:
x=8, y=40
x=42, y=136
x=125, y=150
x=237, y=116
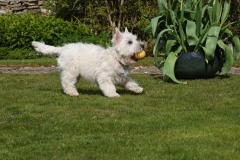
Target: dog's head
x=126, y=45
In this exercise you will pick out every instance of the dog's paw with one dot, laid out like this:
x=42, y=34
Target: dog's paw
x=73, y=94
x=113, y=95
x=138, y=90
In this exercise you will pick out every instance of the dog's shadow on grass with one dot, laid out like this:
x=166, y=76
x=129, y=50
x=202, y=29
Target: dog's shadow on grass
x=89, y=91
x=156, y=76
x=227, y=76
x=160, y=77
x=120, y=91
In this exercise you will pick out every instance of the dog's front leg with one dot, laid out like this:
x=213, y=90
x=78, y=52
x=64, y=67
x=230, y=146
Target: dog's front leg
x=132, y=85
x=107, y=87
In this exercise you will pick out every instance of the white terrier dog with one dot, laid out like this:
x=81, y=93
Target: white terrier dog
x=103, y=67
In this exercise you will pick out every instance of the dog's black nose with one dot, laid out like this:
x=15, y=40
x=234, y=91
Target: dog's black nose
x=142, y=45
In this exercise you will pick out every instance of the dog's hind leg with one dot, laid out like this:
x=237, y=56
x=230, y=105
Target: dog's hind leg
x=69, y=80
x=107, y=87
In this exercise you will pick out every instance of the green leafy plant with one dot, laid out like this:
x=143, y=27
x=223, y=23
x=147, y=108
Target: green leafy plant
x=18, y=31
x=105, y=15
x=190, y=26
x=102, y=39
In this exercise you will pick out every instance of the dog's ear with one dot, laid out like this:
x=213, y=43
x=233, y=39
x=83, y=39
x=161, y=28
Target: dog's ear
x=118, y=35
x=116, y=30
x=126, y=30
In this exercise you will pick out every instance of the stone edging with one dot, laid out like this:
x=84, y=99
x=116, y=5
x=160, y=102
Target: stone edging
x=20, y=6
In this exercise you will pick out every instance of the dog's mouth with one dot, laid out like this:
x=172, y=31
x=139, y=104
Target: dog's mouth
x=134, y=58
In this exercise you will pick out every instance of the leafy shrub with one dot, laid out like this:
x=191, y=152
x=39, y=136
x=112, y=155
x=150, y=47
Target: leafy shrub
x=102, y=39
x=3, y=52
x=235, y=15
x=106, y=15
x=7, y=53
x=18, y=31
x=28, y=53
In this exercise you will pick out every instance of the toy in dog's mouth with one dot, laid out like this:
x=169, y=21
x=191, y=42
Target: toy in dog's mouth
x=139, y=55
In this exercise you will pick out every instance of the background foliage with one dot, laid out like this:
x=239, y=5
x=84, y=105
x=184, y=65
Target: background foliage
x=106, y=15
x=90, y=21
x=18, y=31
x=235, y=15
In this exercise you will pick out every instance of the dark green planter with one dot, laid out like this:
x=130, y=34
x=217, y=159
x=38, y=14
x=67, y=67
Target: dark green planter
x=192, y=65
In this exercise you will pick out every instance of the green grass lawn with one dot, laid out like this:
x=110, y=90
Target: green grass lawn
x=200, y=120
x=52, y=61
x=148, y=61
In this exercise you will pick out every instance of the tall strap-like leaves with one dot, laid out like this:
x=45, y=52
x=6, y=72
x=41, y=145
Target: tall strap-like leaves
x=155, y=24
x=203, y=36
x=147, y=28
x=236, y=46
x=198, y=18
x=228, y=62
x=210, y=13
x=192, y=38
x=169, y=46
x=162, y=5
x=180, y=27
x=211, y=42
x=182, y=36
x=169, y=66
x=156, y=45
x=225, y=12
x=216, y=11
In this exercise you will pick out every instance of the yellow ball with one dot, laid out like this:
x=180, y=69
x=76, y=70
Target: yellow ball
x=140, y=55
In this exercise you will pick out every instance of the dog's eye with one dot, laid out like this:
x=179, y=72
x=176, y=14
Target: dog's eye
x=129, y=42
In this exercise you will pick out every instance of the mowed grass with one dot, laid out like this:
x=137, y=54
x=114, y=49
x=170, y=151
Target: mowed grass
x=48, y=62
x=200, y=120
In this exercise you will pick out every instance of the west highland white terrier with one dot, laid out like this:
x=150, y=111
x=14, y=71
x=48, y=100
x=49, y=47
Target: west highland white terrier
x=103, y=67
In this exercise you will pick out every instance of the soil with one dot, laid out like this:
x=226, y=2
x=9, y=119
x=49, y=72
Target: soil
x=53, y=69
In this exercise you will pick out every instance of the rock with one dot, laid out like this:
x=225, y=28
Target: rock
x=18, y=6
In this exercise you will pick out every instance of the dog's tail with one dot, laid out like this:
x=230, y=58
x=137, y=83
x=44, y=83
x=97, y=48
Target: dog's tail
x=45, y=49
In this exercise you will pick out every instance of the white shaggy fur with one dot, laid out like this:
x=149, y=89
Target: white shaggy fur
x=103, y=67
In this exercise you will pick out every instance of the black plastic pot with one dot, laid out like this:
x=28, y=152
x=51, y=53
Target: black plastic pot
x=192, y=65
